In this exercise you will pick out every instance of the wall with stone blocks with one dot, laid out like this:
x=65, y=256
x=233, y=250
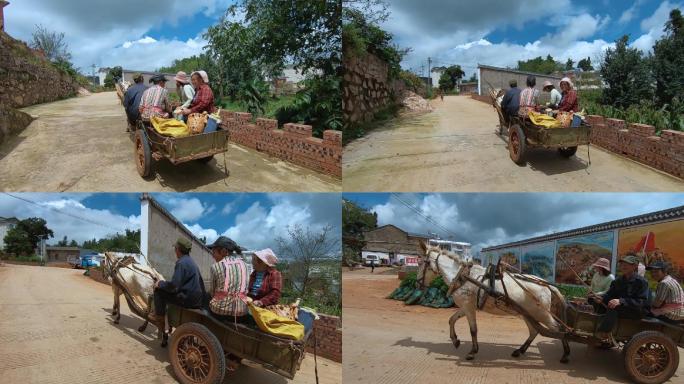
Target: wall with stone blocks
x=328, y=338
x=294, y=143
x=639, y=142
x=365, y=87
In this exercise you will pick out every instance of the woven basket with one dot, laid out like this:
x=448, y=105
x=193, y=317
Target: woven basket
x=197, y=122
x=565, y=119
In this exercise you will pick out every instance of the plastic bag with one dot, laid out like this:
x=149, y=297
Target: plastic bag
x=273, y=324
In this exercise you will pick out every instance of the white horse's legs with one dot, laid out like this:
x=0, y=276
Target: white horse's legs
x=526, y=344
x=116, y=311
x=472, y=322
x=452, y=332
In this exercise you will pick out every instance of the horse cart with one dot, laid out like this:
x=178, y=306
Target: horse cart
x=649, y=346
x=200, y=343
x=152, y=146
x=523, y=135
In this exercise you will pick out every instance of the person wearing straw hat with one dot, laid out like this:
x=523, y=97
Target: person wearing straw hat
x=626, y=298
x=668, y=303
x=184, y=90
x=554, y=96
x=600, y=281
x=569, y=102
x=186, y=288
x=155, y=100
x=266, y=282
x=132, y=99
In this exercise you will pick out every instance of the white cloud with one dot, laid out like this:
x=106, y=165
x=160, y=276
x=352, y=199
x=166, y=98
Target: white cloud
x=109, y=33
x=185, y=209
x=79, y=223
x=654, y=26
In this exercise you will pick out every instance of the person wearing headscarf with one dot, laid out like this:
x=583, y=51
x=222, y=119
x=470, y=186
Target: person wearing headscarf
x=204, y=96
x=569, y=102
x=554, y=96
x=155, y=100
x=266, y=282
x=600, y=282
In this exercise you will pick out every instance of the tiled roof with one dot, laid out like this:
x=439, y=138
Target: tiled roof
x=515, y=71
x=653, y=217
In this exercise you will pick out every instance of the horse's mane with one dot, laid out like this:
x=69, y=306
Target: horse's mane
x=453, y=256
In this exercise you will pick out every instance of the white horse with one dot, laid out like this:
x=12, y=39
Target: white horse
x=541, y=300
x=137, y=281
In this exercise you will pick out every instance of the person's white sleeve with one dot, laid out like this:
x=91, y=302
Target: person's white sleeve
x=189, y=94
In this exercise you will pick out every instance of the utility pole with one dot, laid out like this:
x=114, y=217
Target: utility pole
x=429, y=83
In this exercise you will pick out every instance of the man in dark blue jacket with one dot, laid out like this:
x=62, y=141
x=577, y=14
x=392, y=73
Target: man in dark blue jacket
x=186, y=288
x=132, y=98
x=511, y=101
x=626, y=298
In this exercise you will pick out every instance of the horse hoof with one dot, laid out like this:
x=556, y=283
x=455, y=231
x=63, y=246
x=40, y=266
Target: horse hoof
x=516, y=353
x=565, y=360
x=141, y=328
x=116, y=321
x=470, y=356
x=457, y=343
x=164, y=344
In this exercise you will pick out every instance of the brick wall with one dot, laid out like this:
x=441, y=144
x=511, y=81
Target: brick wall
x=293, y=143
x=328, y=338
x=639, y=142
x=484, y=99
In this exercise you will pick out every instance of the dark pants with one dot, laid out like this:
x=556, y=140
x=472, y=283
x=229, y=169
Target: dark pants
x=246, y=319
x=609, y=320
x=161, y=298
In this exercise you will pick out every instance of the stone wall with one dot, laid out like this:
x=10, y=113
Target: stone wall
x=26, y=78
x=294, y=143
x=639, y=142
x=328, y=338
x=12, y=122
x=365, y=87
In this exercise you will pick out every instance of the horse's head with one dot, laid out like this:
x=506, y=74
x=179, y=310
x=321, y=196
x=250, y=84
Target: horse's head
x=427, y=269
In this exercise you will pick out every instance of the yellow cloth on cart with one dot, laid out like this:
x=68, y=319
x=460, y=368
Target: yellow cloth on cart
x=544, y=120
x=170, y=127
x=269, y=322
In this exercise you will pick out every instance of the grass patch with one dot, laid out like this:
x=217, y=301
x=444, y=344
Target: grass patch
x=384, y=115
x=272, y=105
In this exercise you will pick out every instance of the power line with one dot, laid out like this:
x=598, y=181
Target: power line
x=427, y=218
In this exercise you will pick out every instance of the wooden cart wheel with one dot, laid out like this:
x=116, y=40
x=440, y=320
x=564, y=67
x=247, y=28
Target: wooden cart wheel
x=651, y=358
x=143, y=156
x=567, y=152
x=205, y=160
x=196, y=355
x=517, y=144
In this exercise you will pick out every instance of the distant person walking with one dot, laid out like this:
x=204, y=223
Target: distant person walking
x=372, y=265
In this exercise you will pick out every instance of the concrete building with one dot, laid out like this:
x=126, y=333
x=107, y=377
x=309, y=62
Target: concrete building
x=61, y=254
x=389, y=244
x=498, y=78
x=563, y=256
x=3, y=4
x=468, y=87
x=6, y=223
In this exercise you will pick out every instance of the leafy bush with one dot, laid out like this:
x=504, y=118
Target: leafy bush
x=317, y=104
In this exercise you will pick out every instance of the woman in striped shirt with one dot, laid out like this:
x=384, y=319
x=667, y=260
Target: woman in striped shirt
x=668, y=304
x=229, y=281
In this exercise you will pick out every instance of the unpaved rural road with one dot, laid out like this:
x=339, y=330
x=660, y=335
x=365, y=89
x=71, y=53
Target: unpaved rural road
x=80, y=144
x=455, y=148
x=388, y=342
x=55, y=327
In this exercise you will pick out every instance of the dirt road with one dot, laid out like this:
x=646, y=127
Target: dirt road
x=80, y=144
x=455, y=148
x=387, y=342
x=55, y=327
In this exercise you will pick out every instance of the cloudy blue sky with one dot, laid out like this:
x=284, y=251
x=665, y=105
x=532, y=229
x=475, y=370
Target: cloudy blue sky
x=136, y=34
x=500, y=33
x=487, y=219
x=254, y=220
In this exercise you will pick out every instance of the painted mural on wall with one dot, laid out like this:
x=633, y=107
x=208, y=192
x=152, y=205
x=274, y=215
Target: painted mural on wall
x=510, y=256
x=575, y=255
x=539, y=259
x=656, y=242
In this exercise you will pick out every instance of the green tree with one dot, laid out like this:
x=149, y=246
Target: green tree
x=585, y=65
x=569, y=65
x=73, y=243
x=129, y=241
x=188, y=64
x=668, y=60
x=473, y=78
x=63, y=242
x=449, y=79
x=23, y=238
x=541, y=65
x=626, y=72
x=355, y=221
x=114, y=75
